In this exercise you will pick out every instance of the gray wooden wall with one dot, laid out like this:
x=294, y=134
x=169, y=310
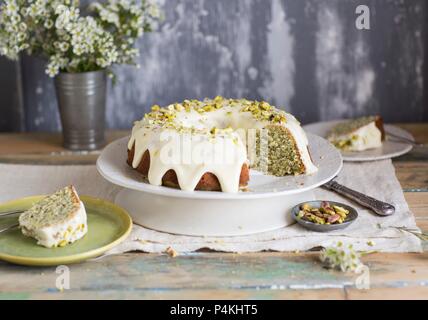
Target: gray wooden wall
x=306, y=56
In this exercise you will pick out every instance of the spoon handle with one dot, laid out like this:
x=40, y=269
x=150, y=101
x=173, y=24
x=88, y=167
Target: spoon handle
x=9, y=213
x=379, y=207
x=399, y=138
x=9, y=227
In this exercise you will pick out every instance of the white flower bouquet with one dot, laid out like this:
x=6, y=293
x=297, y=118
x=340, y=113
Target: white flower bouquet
x=73, y=42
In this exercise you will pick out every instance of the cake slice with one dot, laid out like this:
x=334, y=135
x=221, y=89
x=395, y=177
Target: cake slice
x=358, y=134
x=56, y=220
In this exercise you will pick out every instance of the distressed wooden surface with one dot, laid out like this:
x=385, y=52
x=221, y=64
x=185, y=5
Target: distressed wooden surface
x=46, y=148
x=208, y=275
x=217, y=275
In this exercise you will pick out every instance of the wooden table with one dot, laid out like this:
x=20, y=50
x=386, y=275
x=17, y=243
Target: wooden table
x=265, y=275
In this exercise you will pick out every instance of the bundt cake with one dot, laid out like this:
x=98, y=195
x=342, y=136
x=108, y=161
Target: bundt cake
x=358, y=134
x=211, y=144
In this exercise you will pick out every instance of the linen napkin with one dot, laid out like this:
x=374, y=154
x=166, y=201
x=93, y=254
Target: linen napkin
x=368, y=232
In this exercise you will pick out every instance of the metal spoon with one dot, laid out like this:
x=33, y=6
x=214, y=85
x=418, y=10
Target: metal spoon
x=379, y=207
x=398, y=138
x=9, y=213
x=9, y=227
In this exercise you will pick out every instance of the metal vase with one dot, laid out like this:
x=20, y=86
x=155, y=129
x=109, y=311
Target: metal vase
x=81, y=100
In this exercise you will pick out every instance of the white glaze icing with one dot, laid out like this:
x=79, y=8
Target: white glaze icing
x=225, y=152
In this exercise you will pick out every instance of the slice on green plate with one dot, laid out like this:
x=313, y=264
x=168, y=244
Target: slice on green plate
x=108, y=225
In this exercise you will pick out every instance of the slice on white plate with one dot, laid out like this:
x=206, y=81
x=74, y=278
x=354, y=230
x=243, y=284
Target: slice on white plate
x=390, y=147
x=358, y=134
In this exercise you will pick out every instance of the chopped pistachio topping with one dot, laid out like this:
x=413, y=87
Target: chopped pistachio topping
x=264, y=111
x=165, y=116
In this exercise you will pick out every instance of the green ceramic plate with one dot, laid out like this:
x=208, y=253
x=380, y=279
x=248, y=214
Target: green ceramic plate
x=108, y=225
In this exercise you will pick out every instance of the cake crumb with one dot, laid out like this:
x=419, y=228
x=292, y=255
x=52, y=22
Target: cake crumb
x=171, y=252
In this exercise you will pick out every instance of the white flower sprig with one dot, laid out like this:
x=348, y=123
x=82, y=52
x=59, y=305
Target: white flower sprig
x=341, y=257
x=71, y=41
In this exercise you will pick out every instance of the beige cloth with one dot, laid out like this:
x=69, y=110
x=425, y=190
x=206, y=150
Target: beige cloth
x=376, y=179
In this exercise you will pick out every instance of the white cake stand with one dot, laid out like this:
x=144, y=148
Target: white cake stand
x=264, y=207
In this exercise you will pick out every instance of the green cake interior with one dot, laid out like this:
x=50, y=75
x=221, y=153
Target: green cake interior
x=276, y=152
x=51, y=210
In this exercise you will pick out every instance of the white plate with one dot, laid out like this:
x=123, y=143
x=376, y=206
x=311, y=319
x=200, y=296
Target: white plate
x=389, y=149
x=202, y=213
x=112, y=166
